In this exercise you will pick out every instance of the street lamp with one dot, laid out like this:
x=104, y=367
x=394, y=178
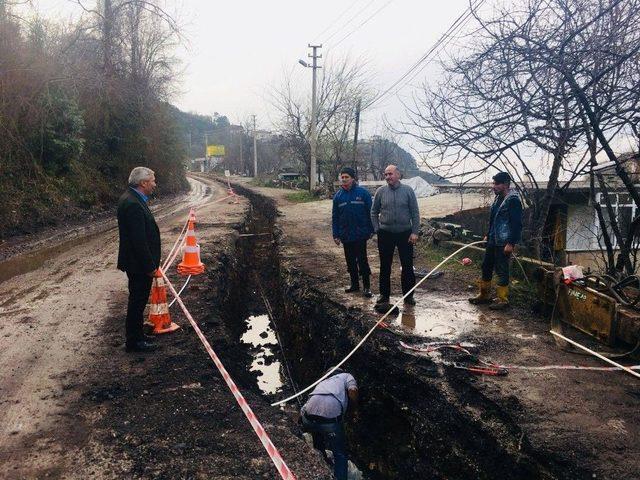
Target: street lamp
x=303, y=63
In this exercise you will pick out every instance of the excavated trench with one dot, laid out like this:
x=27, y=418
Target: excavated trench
x=417, y=419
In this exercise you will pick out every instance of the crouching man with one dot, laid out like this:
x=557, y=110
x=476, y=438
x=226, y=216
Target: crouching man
x=505, y=230
x=323, y=417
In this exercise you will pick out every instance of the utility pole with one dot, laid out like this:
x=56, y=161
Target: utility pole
x=355, y=138
x=206, y=159
x=241, y=142
x=314, y=114
x=255, y=150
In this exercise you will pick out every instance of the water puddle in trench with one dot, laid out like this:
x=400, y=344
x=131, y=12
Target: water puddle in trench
x=264, y=347
x=439, y=317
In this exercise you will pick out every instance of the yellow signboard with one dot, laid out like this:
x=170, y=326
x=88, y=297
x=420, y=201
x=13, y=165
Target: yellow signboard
x=215, y=150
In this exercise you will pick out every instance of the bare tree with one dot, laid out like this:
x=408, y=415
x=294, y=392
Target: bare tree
x=536, y=75
x=341, y=85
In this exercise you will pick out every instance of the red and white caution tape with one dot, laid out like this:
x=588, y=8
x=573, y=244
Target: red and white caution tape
x=277, y=460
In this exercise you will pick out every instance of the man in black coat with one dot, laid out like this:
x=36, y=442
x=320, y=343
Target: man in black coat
x=139, y=252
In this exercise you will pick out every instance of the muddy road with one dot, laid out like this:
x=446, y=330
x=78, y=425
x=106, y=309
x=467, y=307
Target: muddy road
x=271, y=304
x=74, y=405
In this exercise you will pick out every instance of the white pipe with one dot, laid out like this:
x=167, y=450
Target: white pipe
x=364, y=339
x=595, y=354
x=180, y=292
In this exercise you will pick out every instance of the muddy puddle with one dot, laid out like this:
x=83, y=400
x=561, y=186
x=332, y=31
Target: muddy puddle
x=439, y=318
x=263, y=343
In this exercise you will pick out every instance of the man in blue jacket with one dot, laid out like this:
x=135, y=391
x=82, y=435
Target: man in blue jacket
x=352, y=227
x=505, y=231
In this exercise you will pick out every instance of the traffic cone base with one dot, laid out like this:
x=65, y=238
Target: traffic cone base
x=158, y=310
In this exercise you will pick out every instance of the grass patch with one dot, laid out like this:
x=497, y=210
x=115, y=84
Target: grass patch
x=522, y=293
x=302, y=196
x=432, y=255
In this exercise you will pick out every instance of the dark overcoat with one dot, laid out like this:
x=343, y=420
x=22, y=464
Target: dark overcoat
x=139, y=250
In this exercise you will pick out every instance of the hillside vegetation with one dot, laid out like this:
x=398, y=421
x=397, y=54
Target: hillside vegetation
x=80, y=105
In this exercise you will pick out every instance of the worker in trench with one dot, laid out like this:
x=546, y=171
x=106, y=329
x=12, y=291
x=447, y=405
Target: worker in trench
x=396, y=220
x=138, y=253
x=351, y=222
x=505, y=231
x=324, y=413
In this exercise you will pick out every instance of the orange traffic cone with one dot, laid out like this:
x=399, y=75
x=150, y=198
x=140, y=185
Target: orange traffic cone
x=191, y=264
x=192, y=216
x=158, y=310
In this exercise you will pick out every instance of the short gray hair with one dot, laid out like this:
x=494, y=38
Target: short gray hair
x=139, y=175
x=398, y=169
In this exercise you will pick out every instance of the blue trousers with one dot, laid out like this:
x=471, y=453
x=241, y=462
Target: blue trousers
x=330, y=436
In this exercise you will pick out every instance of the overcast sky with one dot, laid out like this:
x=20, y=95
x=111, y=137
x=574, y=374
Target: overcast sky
x=237, y=50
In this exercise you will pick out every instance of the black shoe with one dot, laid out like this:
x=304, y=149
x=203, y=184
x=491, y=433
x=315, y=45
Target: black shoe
x=141, y=346
x=410, y=300
x=381, y=300
x=353, y=288
x=366, y=286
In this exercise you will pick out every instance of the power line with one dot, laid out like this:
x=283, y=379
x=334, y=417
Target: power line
x=351, y=19
x=459, y=22
x=443, y=40
x=362, y=24
x=335, y=21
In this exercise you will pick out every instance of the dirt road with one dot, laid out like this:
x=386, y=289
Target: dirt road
x=66, y=385
x=74, y=405
x=49, y=335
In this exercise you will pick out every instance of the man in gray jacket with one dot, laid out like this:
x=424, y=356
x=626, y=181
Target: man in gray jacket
x=396, y=220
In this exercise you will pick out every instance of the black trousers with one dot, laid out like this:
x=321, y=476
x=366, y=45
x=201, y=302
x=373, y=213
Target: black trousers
x=356, y=255
x=387, y=243
x=139, y=289
x=495, y=259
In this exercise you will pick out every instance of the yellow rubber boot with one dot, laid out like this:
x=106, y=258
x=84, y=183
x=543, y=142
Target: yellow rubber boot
x=502, y=300
x=484, y=296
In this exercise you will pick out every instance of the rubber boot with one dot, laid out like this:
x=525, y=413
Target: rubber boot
x=366, y=286
x=484, y=296
x=502, y=300
x=355, y=285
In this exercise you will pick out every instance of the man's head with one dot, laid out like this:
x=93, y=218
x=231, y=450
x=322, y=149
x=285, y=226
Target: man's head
x=143, y=179
x=347, y=177
x=501, y=183
x=392, y=175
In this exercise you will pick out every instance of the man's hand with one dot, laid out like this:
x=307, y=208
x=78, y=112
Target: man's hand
x=508, y=249
x=413, y=238
x=337, y=240
x=485, y=238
